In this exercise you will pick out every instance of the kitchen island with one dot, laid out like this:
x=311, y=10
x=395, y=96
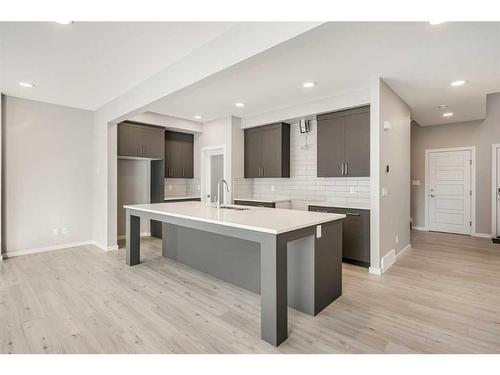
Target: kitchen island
x=291, y=257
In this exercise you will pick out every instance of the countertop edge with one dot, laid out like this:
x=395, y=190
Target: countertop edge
x=240, y=226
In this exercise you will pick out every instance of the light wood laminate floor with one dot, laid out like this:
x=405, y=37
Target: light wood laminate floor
x=442, y=296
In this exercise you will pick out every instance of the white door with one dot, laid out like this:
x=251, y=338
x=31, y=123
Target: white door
x=450, y=191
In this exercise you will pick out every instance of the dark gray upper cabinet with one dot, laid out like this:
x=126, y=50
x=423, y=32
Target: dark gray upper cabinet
x=344, y=143
x=179, y=155
x=267, y=151
x=140, y=141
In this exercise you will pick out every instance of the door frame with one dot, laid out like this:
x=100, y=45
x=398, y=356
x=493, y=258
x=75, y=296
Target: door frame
x=494, y=148
x=206, y=153
x=472, y=150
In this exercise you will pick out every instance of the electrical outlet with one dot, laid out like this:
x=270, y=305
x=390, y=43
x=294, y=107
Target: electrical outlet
x=273, y=188
x=65, y=230
x=352, y=190
x=169, y=187
x=55, y=231
x=385, y=192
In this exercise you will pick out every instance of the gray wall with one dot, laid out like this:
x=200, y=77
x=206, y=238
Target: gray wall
x=481, y=134
x=395, y=152
x=47, y=174
x=134, y=187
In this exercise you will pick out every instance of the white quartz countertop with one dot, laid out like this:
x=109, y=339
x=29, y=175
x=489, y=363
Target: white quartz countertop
x=262, y=200
x=340, y=205
x=177, y=198
x=261, y=219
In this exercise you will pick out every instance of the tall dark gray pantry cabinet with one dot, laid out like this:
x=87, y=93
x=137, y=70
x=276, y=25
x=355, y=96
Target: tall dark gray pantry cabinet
x=344, y=143
x=267, y=151
x=142, y=141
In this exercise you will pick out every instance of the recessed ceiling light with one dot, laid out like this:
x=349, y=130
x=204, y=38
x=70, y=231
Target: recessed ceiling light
x=197, y=117
x=436, y=22
x=239, y=104
x=63, y=22
x=308, y=85
x=459, y=82
x=26, y=84
x=447, y=114
x=442, y=106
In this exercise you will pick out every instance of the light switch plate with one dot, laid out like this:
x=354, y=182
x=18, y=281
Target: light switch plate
x=318, y=231
x=415, y=182
x=385, y=191
x=169, y=187
x=387, y=125
x=273, y=188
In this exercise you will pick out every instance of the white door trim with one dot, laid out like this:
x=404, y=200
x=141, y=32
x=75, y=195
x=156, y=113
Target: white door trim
x=472, y=150
x=494, y=148
x=206, y=153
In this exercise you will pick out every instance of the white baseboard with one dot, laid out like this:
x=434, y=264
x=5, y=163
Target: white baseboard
x=407, y=247
x=375, y=271
x=142, y=234
x=423, y=229
x=105, y=248
x=46, y=248
x=482, y=235
x=388, y=260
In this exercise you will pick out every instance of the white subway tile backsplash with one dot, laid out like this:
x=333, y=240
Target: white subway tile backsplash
x=303, y=186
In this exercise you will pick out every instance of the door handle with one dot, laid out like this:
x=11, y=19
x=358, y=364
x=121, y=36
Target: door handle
x=432, y=195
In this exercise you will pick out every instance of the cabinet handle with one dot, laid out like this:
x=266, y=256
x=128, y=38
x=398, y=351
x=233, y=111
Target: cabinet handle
x=346, y=168
x=352, y=214
x=342, y=168
x=182, y=172
x=262, y=171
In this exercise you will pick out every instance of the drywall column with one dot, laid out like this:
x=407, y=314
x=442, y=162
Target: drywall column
x=390, y=176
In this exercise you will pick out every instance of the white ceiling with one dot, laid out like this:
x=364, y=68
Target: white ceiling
x=418, y=60
x=87, y=64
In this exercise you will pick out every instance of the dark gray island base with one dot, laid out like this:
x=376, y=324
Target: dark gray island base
x=300, y=268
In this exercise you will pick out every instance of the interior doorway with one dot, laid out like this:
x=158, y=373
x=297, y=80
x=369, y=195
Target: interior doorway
x=214, y=165
x=450, y=190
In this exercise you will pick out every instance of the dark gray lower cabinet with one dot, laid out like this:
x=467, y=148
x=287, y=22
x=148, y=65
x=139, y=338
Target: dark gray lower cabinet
x=355, y=233
x=255, y=203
